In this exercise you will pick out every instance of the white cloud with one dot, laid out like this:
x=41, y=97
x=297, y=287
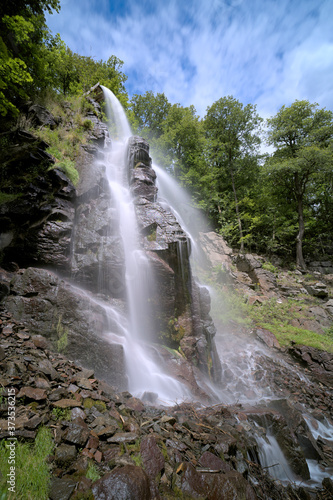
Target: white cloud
x=260, y=51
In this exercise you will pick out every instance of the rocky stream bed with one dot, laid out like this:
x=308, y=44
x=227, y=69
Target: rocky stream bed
x=147, y=452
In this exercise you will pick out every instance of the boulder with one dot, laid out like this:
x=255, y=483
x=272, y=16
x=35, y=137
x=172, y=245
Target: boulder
x=320, y=363
x=40, y=116
x=316, y=289
x=125, y=483
x=70, y=319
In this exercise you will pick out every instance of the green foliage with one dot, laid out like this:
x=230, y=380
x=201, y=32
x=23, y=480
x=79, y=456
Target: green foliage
x=31, y=468
x=268, y=266
x=277, y=317
x=302, y=135
x=7, y=197
x=23, y=45
x=93, y=472
x=61, y=413
x=68, y=167
x=62, y=334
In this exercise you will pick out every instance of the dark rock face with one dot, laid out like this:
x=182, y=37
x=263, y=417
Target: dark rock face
x=37, y=225
x=40, y=116
x=127, y=483
x=320, y=363
x=53, y=308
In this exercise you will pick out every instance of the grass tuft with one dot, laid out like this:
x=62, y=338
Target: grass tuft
x=32, y=475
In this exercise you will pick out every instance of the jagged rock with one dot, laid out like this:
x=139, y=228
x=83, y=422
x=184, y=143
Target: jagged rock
x=152, y=457
x=216, y=250
x=317, y=289
x=129, y=482
x=61, y=488
x=247, y=263
x=329, y=306
x=31, y=393
x=40, y=116
x=79, y=321
x=77, y=432
x=277, y=425
x=65, y=453
x=267, y=337
x=320, y=363
x=37, y=226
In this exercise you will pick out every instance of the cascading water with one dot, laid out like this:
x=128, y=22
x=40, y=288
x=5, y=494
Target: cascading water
x=244, y=378
x=144, y=374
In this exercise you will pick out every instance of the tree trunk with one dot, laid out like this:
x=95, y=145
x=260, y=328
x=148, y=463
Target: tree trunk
x=299, y=239
x=237, y=212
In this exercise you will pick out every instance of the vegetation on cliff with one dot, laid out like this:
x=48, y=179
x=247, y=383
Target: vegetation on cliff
x=280, y=203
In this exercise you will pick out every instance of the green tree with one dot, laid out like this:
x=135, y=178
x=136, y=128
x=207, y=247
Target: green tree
x=182, y=139
x=148, y=112
x=23, y=33
x=233, y=134
x=302, y=135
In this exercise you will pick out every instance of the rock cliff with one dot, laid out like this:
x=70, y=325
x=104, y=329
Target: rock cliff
x=62, y=294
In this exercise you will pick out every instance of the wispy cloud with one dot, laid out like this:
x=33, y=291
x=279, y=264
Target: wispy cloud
x=267, y=52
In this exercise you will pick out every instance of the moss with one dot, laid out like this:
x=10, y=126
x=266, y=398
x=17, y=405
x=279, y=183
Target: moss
x=164, y=451
x=61, y=413
x=173, y=335
x=62, y=335
x=137, y=459
x=7, y=197
x=88, y=403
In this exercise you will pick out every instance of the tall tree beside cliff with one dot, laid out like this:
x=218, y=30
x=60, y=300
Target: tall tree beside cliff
x=233, y=134
x=302, y=135
x=23, y=33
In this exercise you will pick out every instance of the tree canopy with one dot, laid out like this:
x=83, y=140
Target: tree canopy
x=280, y=203
x=302, y=135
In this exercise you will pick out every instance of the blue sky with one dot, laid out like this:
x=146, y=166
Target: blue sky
x=264, y=52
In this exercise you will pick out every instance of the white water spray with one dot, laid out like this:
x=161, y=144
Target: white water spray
x=144, y=374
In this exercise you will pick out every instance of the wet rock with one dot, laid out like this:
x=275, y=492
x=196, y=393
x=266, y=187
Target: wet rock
x=65, y=454
x=192, y=482
x=213, y=462
x=126, y=483
x=61, y=488
x=77, y=432
x=267, y=337
x=152, y=456
x=123, y=437
x=320, y=363
x=229, y=486
x=73, y=316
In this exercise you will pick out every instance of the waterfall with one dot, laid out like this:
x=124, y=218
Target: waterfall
x=144, y=374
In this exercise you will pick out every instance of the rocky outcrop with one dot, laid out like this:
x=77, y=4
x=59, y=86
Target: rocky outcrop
x=320, y=363
x=70, y=319
x=134, y=450
x=181, y=306
x=36, y=225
